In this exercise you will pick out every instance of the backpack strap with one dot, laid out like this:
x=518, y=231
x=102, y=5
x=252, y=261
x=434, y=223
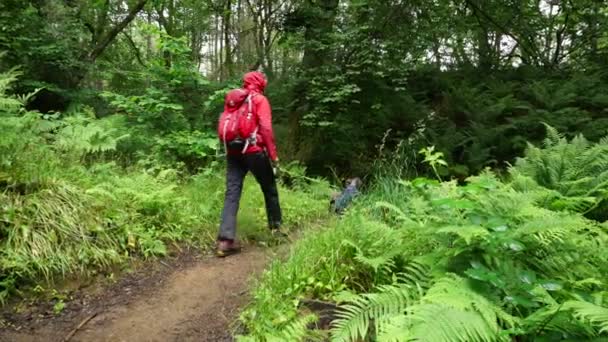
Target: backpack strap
x=224, y=137
x=251, y=140
x=250, y=103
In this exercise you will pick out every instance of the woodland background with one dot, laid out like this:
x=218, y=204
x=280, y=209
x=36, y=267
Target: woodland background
x=480, y=76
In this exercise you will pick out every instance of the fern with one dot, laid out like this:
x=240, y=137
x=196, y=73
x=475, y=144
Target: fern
x=448, y=311
x=396, y=329
x=82, y=135
x=13, y=104
x=555, y=319
x=553, y=137
x=388, y=207
x=576, y=169
x=456, y=292
x=586, y=311
x=437, y=323
x=296, y=331
x=416, y=274
x=7, y=103
x=382, y=263
x=354, y=320
x=468, y=233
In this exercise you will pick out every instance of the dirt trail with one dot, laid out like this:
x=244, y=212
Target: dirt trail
x=197, y=302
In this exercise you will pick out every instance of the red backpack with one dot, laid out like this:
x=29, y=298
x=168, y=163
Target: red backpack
x=237, y=127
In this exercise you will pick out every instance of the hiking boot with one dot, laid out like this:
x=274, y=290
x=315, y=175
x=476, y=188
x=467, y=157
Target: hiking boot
x=279, y=234
x=226, y=248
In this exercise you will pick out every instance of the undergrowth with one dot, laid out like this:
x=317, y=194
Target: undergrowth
x=424, y=260
x=71, y=206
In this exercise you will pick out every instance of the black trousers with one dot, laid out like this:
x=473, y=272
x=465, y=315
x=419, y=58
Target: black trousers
x=237, y=168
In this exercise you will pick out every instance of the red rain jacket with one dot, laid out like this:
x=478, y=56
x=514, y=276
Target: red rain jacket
x=255, y=82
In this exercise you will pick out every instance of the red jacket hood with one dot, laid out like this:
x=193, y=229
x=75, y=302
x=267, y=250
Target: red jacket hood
x=254, y=81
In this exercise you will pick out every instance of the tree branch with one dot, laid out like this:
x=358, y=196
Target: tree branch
x=504, y=30
x=559, y=38
x=109, y=37
x=135, y=48
x=102, y=21
x=162, y=20
x=582, y=41
x=91, y=29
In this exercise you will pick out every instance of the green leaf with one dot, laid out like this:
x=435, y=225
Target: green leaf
x=468, y=233
x=552, y=286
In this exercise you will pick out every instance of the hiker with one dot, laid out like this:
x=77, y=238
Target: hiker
x=245, y=129
x=340, y=201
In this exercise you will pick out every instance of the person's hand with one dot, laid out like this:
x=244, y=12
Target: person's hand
x=275, y=167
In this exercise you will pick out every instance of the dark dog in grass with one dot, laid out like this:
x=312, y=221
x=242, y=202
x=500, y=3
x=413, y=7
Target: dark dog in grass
x=341, y=200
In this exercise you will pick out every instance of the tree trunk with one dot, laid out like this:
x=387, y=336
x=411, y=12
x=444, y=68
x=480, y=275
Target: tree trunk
x=317, y=35
x=484, y=51
x=267, y=37
x=227, y=45
x=105, y=41
x=238, y=53
x=215, y=55
x=220, y=51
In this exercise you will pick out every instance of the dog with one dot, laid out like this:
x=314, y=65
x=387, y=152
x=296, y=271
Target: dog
x=340, y=200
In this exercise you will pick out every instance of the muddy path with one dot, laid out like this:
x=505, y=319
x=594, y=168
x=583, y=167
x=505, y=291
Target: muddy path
x=196, y=299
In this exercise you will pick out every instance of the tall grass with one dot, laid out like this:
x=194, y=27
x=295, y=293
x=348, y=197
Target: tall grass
x=72, y=226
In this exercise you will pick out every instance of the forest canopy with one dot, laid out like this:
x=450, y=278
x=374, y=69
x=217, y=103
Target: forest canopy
x=475, y=78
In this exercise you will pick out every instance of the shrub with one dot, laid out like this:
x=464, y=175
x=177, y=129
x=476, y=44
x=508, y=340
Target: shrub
x=438, y=261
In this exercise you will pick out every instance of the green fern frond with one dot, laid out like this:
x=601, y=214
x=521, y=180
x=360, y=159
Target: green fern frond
x=354, y=319
x=8, y=103
x=13, y=104
x=468, y=233
x=554, y=318
x=296, y=331
x=399, y=214
x=84, y=135
x=7, y=78
x=452, y=311
x=586, y=311
x=438, y=323
x=396, y=329
x=99, y=191
x=416, y=274
x=553, y=137
x=547, y=230
x=603, y=141
x=577, y=169
x=454, y=291
x=578, y=204
x=383, y=262
x=449, y=311
x=580, y=143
